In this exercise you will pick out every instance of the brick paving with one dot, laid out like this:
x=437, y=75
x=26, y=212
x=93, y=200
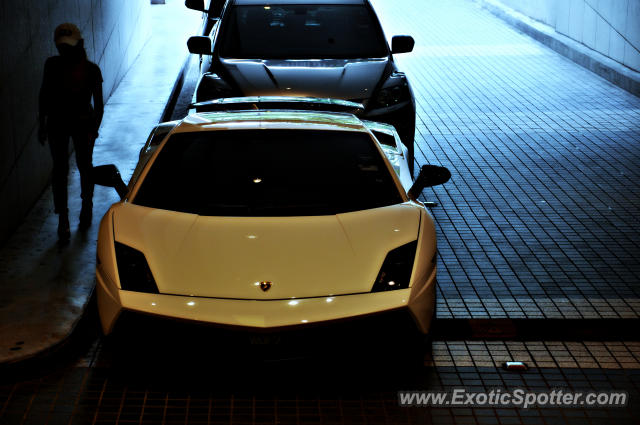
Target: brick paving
x=540, y=219
x=130, y=384
x=539, y=354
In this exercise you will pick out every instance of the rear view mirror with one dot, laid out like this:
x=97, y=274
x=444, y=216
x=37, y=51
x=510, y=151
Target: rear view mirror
x=402, y=44
x=195, y=5
x=430, y=175
x=199, y=45
x=108, y=175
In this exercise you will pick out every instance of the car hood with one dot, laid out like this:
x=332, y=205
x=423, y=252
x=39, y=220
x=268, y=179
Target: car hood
x=330, y=78
x=224, y=257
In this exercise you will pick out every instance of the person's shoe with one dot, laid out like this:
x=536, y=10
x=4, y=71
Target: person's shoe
x=86, y=214
x=64, y=233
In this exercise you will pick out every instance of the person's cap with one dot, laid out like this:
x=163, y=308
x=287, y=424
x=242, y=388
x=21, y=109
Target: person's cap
x=67, y=34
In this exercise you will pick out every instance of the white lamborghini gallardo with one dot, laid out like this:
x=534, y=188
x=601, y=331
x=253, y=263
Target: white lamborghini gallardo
x=270, y=219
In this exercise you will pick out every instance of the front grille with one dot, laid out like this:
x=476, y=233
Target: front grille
x=382, y=329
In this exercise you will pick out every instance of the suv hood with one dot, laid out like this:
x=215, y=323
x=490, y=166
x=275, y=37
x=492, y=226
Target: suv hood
x=224, y=257
x=328, y=78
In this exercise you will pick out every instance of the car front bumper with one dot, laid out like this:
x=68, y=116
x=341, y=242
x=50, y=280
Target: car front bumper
x=265, y=315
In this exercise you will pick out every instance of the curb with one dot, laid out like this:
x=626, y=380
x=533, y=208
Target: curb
x=87, y=324
x=537, y=329
x=175, y=92
x=607, y=68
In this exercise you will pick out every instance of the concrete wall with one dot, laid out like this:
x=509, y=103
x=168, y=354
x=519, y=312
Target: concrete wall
x=611, y=27
x=114, y=31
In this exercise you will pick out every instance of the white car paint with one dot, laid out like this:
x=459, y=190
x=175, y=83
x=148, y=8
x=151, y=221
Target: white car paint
x=323, y=267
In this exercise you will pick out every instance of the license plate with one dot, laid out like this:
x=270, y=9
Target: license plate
x=265, y=339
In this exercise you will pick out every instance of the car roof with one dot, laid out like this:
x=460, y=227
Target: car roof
x=265, y=119
x=276, y=2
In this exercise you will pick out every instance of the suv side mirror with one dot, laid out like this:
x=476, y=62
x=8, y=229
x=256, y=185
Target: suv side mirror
x=402, y=44
x=430, y=175
x=108, y=175
x=199, y=45
x=195, y=5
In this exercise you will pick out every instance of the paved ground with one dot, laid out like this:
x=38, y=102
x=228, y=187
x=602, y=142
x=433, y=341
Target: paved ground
x=540, y=219
x=178, y=382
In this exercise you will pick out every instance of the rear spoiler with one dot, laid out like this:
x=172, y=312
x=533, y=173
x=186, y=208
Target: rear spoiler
x=279, y=102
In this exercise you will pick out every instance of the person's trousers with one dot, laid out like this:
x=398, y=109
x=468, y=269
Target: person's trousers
x=83, y=146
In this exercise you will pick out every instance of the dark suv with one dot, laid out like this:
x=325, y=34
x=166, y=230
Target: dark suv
x=311, y=48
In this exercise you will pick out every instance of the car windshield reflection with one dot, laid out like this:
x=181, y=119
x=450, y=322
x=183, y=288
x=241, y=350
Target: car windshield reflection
x=268, y=173
x=302, y=32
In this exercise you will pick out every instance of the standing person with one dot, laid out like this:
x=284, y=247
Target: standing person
x=69, y=83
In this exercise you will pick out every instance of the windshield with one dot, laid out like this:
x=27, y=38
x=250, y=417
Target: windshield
x=302, y=32
x=268, y=173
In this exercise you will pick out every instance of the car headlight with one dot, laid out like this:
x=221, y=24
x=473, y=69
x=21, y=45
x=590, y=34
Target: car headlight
x=394, y=91
x=213, y=87
x=134, y=271
x=395, y=272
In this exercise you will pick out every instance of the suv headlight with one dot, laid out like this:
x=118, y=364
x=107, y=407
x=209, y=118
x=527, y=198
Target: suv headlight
x=133, y=270
x=395, y=272
x=393, y=92
x=211, y=86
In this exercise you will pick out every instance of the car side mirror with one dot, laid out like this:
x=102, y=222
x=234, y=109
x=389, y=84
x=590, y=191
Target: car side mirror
x=402, y=44
x=199, y=45
x=195, y=5
x=430, y=175
x=108, y=175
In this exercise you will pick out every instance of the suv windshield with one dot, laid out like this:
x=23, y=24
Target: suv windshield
x=268, y=173
x=302, y=32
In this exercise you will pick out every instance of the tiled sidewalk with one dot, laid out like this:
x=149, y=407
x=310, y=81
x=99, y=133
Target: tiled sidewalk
x=540, y=218
x=133, y=385
x=538, y=354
